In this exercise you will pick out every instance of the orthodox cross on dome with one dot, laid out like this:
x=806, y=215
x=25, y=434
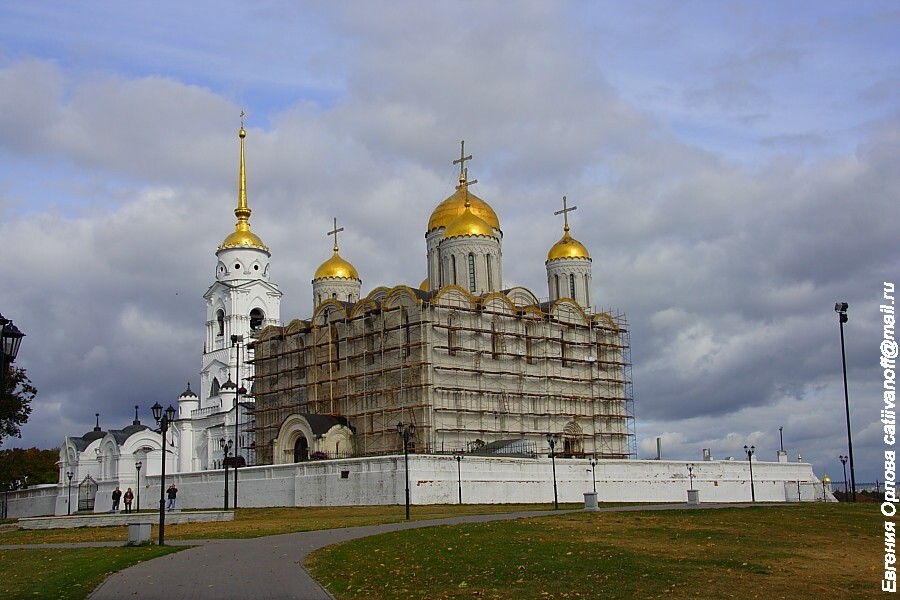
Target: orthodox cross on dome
x=461, y=161
x=334, y=232
x=564, y=212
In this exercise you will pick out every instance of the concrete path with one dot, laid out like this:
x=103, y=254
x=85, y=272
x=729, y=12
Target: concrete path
x=269, y=567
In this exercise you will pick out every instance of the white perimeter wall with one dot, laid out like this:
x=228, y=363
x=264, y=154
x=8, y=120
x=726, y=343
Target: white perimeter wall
x=485, y=480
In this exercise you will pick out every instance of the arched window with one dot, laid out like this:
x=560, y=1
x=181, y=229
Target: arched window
x=214, y=387
x=220, y=319
x=257, y=318
x=587, y=292
x=471, y=272
x=453, y=269
x=301, y=449
x=556, y=285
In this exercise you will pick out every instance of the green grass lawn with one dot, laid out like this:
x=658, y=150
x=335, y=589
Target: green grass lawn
x=766, y=552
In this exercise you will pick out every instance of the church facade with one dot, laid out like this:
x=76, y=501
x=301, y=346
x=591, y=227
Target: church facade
x=470, y=364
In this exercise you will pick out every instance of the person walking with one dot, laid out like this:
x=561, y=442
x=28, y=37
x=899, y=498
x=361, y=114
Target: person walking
x=172, y=492
x=116, y=496
x=128, y=497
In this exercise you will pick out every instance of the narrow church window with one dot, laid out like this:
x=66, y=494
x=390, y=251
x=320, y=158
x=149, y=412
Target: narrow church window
x=489, y=262
x=495, y=341
x=220, y=319
x=451, y=335
x=453, y=269
x=563, y=348
x=214, y=387
x=587, y=292
x=256, y=319
x=556, y=285
x=471, y=272
x=571, y=286
x=334, y=295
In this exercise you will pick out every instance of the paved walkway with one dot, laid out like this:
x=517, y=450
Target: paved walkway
x=268, y=567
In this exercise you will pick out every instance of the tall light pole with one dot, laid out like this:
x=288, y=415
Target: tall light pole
x=10, y=340
x=406, y=432
x=163, y=420
x=70, y=475
x=226, y=448
x=843, y=460
x=750, y=451
x=593, y=464
x=236, y=343
x=690, y=469
x=781, y=438
x=459, y=458
x=841, y=309
x=551, y=440
x=137, y=467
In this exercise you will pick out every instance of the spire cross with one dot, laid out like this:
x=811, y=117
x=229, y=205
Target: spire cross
x=461, y=161
x=242, y=119
x=564, y=212
x=334, y=232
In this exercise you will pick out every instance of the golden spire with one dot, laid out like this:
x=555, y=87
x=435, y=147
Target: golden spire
x=242, y=236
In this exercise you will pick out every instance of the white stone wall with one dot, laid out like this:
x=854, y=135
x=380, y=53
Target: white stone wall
x=485, y=480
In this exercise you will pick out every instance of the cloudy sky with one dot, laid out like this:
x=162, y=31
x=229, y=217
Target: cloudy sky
x=734, y=167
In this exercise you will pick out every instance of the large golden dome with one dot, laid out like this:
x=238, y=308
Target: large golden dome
x=336, y=268
x=468, y=224
x=568, y=247
x=243, y=239
x=455, y=205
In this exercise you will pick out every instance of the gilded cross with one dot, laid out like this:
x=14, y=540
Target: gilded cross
x=461, y=161
x=564, y=212
x=334, y=232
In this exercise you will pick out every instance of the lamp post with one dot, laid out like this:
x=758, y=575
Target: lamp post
x=459, y=458
x=163, y=420
x=236, y=344
x=70, y=475
x=10, y=340
x=781, y=438
x=406, y=432
x=690, y=468
x=593, y=464
x=843, y=460
x=226, y=448
x=750, y=451
x=137, y=467
x=841, y=309
x=551, y=440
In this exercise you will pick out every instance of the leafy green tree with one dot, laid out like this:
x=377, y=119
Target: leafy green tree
x=38, y=465
x=15, y=402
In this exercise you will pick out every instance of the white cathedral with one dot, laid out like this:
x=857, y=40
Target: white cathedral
x=323, y=411
x=473, y=366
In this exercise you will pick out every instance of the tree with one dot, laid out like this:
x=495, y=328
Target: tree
x=38, y=465
x=15, y=402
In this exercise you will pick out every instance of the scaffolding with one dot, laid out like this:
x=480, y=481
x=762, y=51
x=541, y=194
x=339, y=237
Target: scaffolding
x=462, y=374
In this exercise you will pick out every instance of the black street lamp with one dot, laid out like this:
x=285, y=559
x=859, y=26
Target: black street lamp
x=843, y=460
x=241, y=390
x=163, y=420
x=593, y=464
x=226, y=448
x=138, y=466
x=10, y=340
x=459, y=458
x=750, y=451
x=551, y=440
x=690, y=468
x=841, y=309
x=406, y=432
x=70, y=475
x=781, y=437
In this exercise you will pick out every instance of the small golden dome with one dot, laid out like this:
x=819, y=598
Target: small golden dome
x=468, y=224
x=336, y=268
x=243, y=239
x=425, y=285
x=568, y=247
x=455, y=205
x=826, y=480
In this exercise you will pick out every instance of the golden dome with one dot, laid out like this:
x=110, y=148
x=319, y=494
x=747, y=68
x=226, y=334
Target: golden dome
x=468, y=224
x=454, y=206
x=568, y=247
x=826, y=480
x=243, y=239
x=425, y=285
x=336, y=268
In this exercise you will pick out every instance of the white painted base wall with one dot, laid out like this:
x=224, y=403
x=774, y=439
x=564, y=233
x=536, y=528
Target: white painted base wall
x=485, y=480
